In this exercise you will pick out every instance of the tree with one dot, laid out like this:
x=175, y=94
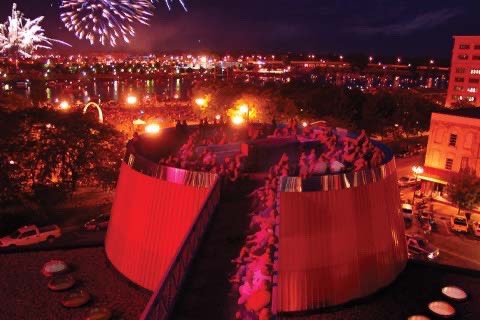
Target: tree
x=464, y=189
x=46, y=150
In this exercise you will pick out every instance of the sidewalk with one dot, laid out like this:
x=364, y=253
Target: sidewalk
x=442, y=208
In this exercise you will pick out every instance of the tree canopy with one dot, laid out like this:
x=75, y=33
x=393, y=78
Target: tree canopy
x=464, y=189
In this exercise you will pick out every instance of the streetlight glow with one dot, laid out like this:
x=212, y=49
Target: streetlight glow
x=131, y=99
x=238, y=120
x=243, y=108
x=200, y=102
x=417, y=170
x=305, y=124
x=218, y=117
x=152, y=128
x=64, y=105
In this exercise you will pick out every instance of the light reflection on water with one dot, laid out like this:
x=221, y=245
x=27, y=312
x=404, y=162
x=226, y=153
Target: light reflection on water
x=101, y=90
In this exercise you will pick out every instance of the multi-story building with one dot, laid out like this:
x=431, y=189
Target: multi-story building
x=453, y=144
x=464, y=82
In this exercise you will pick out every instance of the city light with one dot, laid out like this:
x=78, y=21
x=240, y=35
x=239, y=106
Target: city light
x=218, y=117
x=305, y=124
x=201, y=102
x=243, y=108
x=131, y=100
x=139, y=122
x=417, y=170
x=64, y=105
x=238, y=120
x=152, y=128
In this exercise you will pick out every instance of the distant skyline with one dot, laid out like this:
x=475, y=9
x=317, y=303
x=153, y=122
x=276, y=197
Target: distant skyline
x=372, y=27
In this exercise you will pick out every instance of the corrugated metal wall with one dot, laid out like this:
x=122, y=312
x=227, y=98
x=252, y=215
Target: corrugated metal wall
x=336, y=246
x=149, y=221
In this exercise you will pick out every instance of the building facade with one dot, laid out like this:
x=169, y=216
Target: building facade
x=464, y=82
x=453, y=144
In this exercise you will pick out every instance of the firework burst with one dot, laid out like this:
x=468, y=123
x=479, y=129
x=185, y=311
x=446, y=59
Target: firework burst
x=23, y=36
x=105, y=21
x=168, y=3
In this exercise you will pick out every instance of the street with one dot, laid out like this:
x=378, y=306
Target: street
x=457, y=249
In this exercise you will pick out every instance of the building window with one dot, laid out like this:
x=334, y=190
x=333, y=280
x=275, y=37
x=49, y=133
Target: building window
x=457, y=88
x=455, y=97
x=463, y=56
x=464, y=46
x=449, y=164
x=475, y=71
x=459, y=79
x=460, y=70
x=472, y=90
x=470, y=99
x=477, y=47
x=474, y=80
x=464, y=163
x=453, y=140
x=475, y=57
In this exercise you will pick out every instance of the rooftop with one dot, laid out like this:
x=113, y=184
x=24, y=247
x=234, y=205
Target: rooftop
x=25, y=295
x=473, y=112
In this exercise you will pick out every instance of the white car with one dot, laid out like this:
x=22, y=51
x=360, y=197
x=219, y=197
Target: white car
x=459, y=224
x=407, y=181
x=32, y=234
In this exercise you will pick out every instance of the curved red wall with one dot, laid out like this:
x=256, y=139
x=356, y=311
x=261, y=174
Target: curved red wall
x=339, y=245
x=149, y=221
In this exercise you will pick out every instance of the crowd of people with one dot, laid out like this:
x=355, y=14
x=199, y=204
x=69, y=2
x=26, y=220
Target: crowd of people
x=254, y=278
x=337, y=154
x=194, y=154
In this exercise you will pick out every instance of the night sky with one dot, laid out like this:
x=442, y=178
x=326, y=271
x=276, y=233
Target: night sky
x=374, y=27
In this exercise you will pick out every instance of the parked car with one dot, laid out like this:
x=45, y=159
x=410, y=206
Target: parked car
x=425, y=216
x=407, y=211
x=98, y=223
x=420, y=247
x=32, y=234
x=459, y=223
x=476, y=228
x=407, y=181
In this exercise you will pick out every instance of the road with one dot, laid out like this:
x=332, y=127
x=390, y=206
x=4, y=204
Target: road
x=461, y=250
x=72, y=237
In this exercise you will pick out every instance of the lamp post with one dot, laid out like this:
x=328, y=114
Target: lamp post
x=416, y=171
x=245, y=109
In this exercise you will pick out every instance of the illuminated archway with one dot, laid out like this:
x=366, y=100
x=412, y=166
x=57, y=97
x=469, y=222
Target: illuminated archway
x=100, y=113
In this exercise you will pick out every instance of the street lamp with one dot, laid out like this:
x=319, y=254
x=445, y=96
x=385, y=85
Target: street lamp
x=416, y=171
x=245, y=109
x=131, y=100
x=237, y=120
x=152, y=128
x=64, y=105
x=201, y=102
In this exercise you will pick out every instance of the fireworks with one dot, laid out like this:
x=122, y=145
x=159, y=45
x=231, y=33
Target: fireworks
x=169, y=4
x=23, y=36
x=105, y=21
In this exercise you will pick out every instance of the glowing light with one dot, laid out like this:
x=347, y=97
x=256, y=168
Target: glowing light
x=305, y=124
x=201, y=102
x=24, y=36
x=243, y=108
x=105, y=21
x=11, y=162
x=139, y=122
x=152, y=128
x=64, y=105
x=238, y=120
x=417, y=170
x=218, y=117
x=131, y=100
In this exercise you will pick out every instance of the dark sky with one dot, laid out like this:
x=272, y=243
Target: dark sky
x=376, y=27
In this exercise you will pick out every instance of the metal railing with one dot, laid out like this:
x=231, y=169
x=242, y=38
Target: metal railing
x=163, y=299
